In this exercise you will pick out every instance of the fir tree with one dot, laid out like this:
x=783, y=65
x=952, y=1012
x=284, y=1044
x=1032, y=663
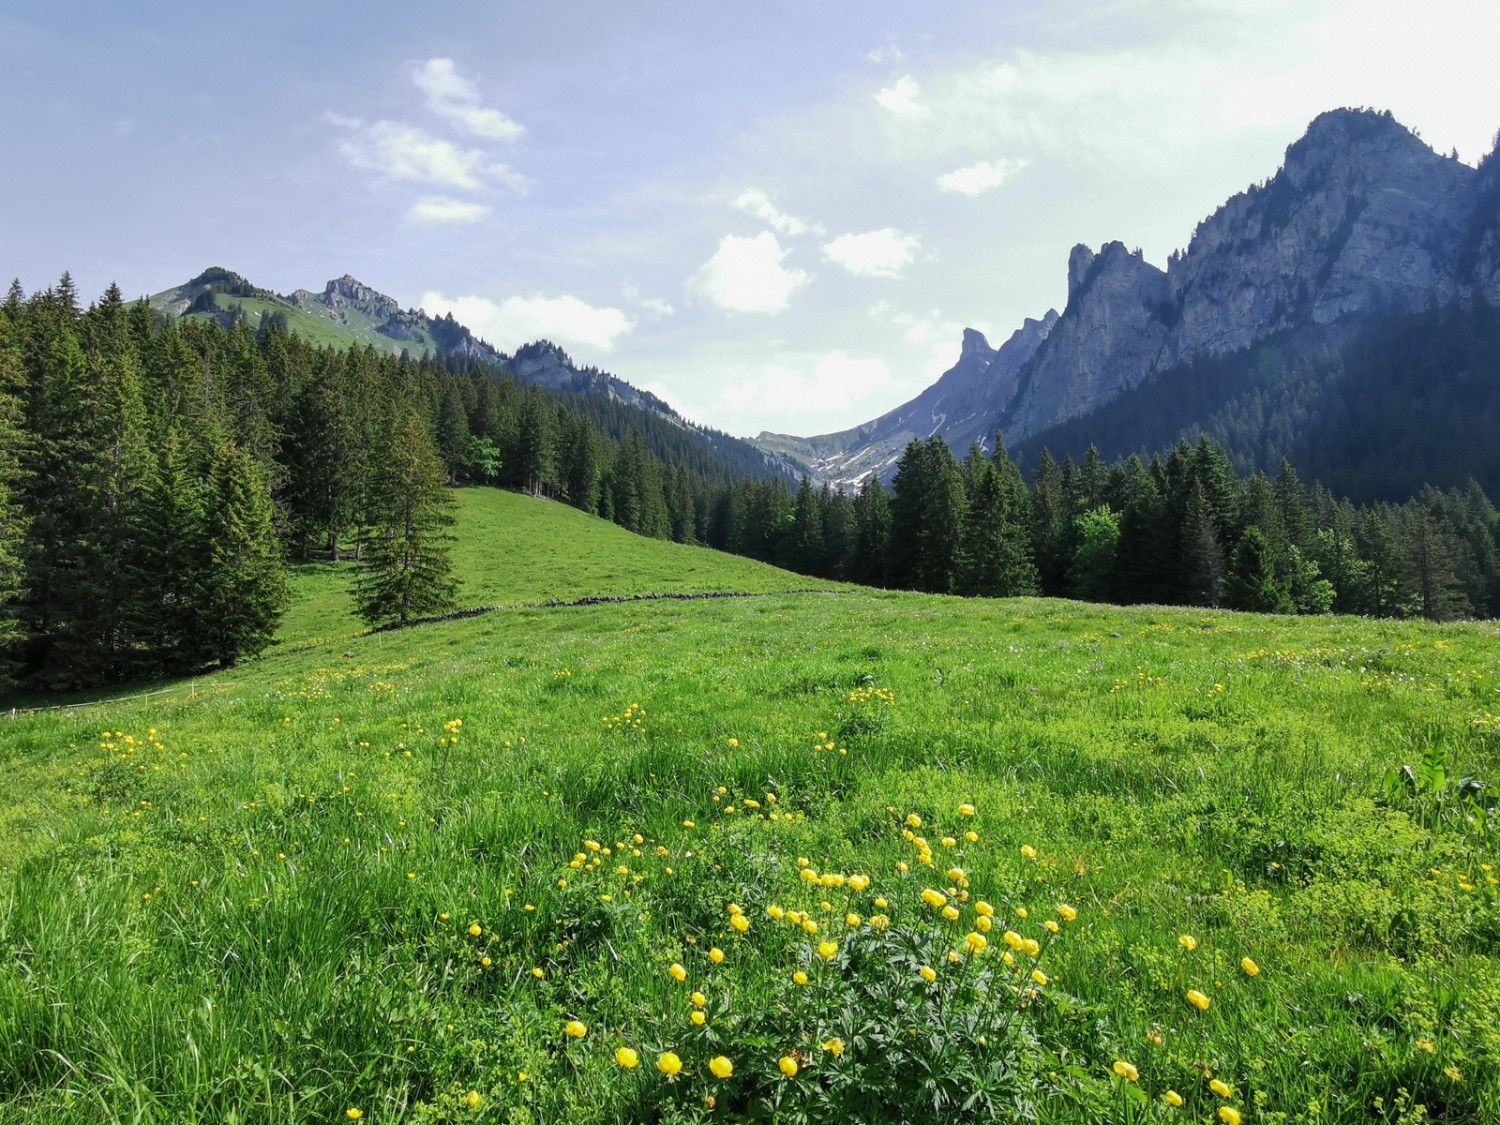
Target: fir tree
x=1252, y=583
x=407, y=572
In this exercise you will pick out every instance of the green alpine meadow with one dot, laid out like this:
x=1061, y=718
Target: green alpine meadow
x=812, y=853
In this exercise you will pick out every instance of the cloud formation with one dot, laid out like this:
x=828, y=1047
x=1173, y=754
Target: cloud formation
x=758, y=205
x=404, y=152
x=456, y=99
x=438, y=210
x=875, y=253
x=901, y=97
x=746, y=275
x=976, y=178
x=509, y=323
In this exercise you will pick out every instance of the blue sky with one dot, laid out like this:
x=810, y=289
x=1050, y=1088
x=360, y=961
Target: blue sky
x=778, y=216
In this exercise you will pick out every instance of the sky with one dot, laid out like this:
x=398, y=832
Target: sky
x=778, y=216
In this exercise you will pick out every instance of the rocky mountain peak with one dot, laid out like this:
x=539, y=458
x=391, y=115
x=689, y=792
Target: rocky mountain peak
x=974, y=344
x=1079, y=262
x=350, y=288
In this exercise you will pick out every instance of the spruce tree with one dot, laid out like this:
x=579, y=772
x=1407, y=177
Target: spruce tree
x=13, y=521
x=407, y=571
x=1252, y=583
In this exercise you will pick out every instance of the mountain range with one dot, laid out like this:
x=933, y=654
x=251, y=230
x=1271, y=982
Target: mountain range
x=1363, y=223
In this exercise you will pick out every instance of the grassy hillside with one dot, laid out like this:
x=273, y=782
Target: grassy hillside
x=388, y=882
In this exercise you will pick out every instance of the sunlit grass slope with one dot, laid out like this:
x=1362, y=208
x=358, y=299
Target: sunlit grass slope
x=511, y=549
x=391, y=883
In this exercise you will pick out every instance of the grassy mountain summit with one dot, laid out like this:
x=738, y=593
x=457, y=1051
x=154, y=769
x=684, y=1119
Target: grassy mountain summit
x=1092, y=856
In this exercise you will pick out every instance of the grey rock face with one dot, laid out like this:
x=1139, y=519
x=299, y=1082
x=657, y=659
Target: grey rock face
x=1363, y=219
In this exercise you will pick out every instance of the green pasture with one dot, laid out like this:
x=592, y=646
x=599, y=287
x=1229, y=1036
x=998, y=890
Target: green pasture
x=378, y=876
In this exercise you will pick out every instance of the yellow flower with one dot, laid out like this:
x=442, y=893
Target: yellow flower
x=354, y=1114
x=1172, y=1098
x=1453, y=1072
x=809, y=926
x=859, y=882
x=972, y=837
x=471, y=1099
x=967, y=809
x=828, y=950
x=949, y=842
x=486, y=962
x=676, y=972
x=1126, y=1071
x=1426, y=1045
x=1229, y=1115
x=1031, y=947
x=879, y=921
x=739, y=923
x=902, y=867
x=934, y=899
x=1050, y=926
x=669, y=1064
x=913, y=820
x=697, y=1017
x=1188, y=942
x=1198, y=1000
x=950, y=912
x=1039, y=976
x=983, y=924
x=474, y=930
x=851, y=919
x=776, y=912
x=954, y=957
x=834, y=1045
x=984, y=909
x=539, y=973
x=928, y=973
x=975, y=943
x=1222, y=1088
x=799, y=977
x=698, y=999
x=808, y=875
x=721, y=1066
x=788, y=1066
x=575, y=1029
x=1014, y=940
x=831, y=879
x=1028, y=851
x=1067, y=912
x=627, y=1058
x=1250, y=967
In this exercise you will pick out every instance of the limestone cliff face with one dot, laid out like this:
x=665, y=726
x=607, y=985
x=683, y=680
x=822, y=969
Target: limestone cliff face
x=1363, y=219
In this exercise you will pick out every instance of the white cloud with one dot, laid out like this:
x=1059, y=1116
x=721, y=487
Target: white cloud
x=901, y=98
x=746, y=275
x=757, y=204
x=886, y=54
x=404, y=152
x=514, y=321
x=658, y=306
x=435, y=210
x=798, y=393
x=981, y=176
x=875, y=253
x=456, y=98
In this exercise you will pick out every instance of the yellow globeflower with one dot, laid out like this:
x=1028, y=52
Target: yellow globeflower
x=676, y=972
x=967, y=809
x=1014, y=940
x=1028, y=851
x=984, y=909
x=851, y=919
x=928, y=973
x=739, y=922
x=1031, y=947
x=1198, y=1000
x=799, y=977
x=983, y=924
x=354, y=1114
x=475, y=930
x=721, y=1066
x=539, y=973
x=1223, y=1089
x=828, y=950
x=950, y=912
x=776, y=912
x=1250, y=967
x=808, y=875
x=859, y=882
x=1050, y=926
x=1188, y=942
x=698, y=999
x=627, y=1058
x=1172, y=1098
x=809, y=926
x=1126, y=1071
x=975, y=943
x=913, y=820
x=575, y=1029
x=879, y=921
x=669, y=1064
x=788, y=1066
x=934, y=899
x=835, y=1046
x=1067, y=912
x=1229, y=1115
x=1039, y=976
x=471, y=1099
x=697, y=1017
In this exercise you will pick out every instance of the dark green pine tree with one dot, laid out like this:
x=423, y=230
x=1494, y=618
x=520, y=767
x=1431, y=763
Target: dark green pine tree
x=984, y=533
x=407, y=571
x=1051, y=526
x=1252, y=583
x=534, y=445
x=242, y=588
x=1431, y=558
x=911, y=490
x=942, y=524
x=581, y=465
x=872, y=534
x=805, y=543
x=454, y=440
x=13, y=522
x=1203, y=560
x=838, y=531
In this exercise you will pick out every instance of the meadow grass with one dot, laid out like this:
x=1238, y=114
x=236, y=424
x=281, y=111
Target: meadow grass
x=388, y=882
